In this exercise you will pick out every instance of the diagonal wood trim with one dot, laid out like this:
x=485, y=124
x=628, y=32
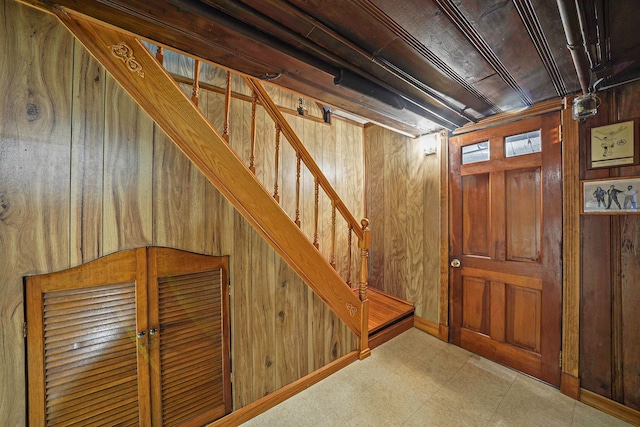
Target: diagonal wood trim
x=458, y=18
x=174, y=112
x=532, y=24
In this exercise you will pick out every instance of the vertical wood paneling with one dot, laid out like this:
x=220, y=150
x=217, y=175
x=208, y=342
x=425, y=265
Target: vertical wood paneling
x=630, y=295
x=395, y=217
x=87, y=147
x=35, y=135
x=262, y=316
x=179, y=193
x=415, y=222
x=427, y=302
x=128, y=173
x=94, y=170
x=403, y=199
x=375, y=139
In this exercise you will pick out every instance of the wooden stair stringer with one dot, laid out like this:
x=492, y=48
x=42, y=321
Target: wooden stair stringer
x=137, y=71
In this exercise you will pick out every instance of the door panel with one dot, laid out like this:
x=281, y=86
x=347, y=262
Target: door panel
x=505, y=218
x=476, y=221
x=523, y=215
x=475, y=304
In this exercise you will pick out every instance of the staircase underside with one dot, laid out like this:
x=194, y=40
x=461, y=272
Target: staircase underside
x=389, y=316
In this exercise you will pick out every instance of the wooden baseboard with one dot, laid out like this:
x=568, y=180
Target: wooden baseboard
x=432, y=328
x=425, y=325
x=570, y=386
x=611, y=407
x=269, y=401
x=444, y=333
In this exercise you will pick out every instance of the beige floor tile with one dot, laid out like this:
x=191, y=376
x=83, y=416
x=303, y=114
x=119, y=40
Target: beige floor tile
x=532, y=403
x=475, y=392
x=437, y=415
x=586, y=416
x=331, y=420
x=417, y=380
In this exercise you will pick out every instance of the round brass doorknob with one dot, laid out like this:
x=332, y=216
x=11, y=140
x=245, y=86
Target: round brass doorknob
x=455, y=263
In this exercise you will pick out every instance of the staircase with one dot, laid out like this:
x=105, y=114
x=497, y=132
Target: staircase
x=142, y=75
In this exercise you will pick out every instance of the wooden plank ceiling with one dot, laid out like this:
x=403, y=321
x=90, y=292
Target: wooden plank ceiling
x=413, y=65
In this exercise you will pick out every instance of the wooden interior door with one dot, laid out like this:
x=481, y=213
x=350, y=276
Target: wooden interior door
x=505, y=245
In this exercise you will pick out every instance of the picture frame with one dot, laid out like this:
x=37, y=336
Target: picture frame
x=612, y=196
x=613, y=145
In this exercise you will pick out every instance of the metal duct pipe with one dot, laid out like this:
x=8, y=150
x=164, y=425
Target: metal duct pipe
x=361, y=85
x=575, y=41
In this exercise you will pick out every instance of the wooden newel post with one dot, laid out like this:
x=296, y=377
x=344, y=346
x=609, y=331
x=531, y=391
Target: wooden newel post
x=364, y=244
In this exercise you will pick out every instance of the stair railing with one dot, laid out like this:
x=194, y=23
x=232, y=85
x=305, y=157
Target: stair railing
x=150, y=85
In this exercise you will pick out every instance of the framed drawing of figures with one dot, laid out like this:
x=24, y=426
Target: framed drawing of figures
x=613, y=145
x=611, y=196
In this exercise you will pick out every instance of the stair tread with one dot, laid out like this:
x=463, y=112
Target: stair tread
x=385, y=309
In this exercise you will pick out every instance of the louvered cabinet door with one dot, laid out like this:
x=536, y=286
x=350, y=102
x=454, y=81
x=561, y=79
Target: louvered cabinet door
x=190, y=341
x=86, y=365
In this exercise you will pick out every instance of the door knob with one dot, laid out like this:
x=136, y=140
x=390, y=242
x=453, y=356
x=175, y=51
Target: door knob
x=153, y=331
x=140, y=334
x=455, y=263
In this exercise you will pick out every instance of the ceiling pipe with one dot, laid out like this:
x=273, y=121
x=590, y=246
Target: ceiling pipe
x=575, y=42
x=375, y=84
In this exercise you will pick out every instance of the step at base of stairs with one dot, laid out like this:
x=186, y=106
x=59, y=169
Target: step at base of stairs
x=389, y=316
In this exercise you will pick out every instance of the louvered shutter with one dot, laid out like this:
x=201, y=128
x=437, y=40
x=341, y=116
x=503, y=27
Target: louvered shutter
x=139, y=337
x=192, y=349
x=82, y=351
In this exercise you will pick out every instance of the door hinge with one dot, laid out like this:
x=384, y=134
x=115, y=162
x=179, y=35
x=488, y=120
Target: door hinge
x=560, y=360
x=24, y=329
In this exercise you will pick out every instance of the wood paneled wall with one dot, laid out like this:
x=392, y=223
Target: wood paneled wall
x=610, y=294
x=84, y=173
x=403, y=206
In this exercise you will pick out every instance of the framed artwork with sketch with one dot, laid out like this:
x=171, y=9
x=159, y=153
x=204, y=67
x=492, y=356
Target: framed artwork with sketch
x=613, y=196
x=613, y=145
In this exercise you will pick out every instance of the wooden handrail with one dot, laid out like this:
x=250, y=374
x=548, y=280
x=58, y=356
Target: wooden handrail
x=138, y=72
x=275, y=114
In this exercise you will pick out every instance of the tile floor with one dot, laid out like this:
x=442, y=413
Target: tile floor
x=418, y=380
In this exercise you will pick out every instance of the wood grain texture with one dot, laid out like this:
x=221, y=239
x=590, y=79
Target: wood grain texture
x=630, y=299
x=395, y=205
x=374, y=157
x=128, y=165
x=35, y=137
x=87, y=148
x=54, y=195
x=178, y=193
x=404, y=208
x=417, y=221
x=571, y=245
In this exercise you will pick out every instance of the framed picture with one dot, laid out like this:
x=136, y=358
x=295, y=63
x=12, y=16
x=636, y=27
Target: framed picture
x=613, y=145
x=611, y=196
